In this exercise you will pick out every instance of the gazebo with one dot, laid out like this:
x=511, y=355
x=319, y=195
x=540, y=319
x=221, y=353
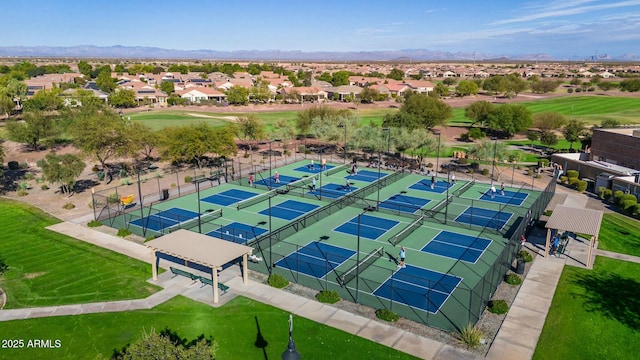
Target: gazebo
x=576, y=220
x=199, y=249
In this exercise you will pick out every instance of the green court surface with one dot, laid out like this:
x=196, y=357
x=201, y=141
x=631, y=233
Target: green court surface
x=459, y=241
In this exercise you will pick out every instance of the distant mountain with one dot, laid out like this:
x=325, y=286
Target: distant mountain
x=141, y=52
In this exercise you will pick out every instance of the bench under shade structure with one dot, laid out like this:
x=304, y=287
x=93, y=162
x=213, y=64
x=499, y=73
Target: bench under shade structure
x=202, y=250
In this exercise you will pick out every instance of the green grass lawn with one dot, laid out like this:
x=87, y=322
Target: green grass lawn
x=237, y=327
x=591, y=109
x=47, y=268
x=619, y=233
x=595, y=314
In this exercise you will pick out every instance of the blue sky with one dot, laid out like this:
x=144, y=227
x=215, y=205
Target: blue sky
x=560, y=28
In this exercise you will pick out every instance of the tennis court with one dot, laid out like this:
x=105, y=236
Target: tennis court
x=271, y=183
x=371, y=227
x=316, y=168
x=237, y=232
x=404, y=203
x=289, y=209
x=164, y=219
x=425, y=185
x=419, y=288
x=366, y=176
x=457, y=246
x=315, y=259
x=333, y=191
x=509, y=197
x=484, y=217
x=229, y=197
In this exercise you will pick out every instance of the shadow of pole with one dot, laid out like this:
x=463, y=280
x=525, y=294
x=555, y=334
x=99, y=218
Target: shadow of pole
x=261, y=342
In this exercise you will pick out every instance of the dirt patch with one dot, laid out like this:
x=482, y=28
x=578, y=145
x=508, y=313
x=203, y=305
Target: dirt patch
x=34, y=275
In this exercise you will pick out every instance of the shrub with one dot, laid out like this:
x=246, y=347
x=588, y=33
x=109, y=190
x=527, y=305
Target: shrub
x=149, y=238
x=607, y=194
x=44, y=187
x=23, y=186
x=601, y=190
x=485, y=172
x=113, y=198
x=29, y=176
x=124, y=232
x=573, y=182
x=572, y=173
x=617, y=195
x=513, y=279
x=498, y=307
x=581, y=185
x=564, y=179
x=68, y=206
x=543, y=162
x=125, y=182
x=636, y=211
x=470, y=336
x=548, y=212
x=187, y=179
x=463, y=161
x=278, y=281
x=628, y=206
x=525, y=256
x=22, y=192
x=94, y=223
x=476, y=133
x=570, y=90
x=328, y=296
x=387, y=315
x=173, y=185
x=24, y=165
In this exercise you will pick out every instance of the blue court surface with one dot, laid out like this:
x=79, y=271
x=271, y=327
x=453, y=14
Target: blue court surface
x=404, y=203
x=229, y=197
x=164, y=219
x=289, y=209
x=271, y=183
x=457, y=246
x=484, y=217
x=371, y=227
x=419, y=288
x=425, y=185
x=237, y=232
x=509, y=197
x=333, y=191
x=366, y=175
x=317, y=168
x=316, y=259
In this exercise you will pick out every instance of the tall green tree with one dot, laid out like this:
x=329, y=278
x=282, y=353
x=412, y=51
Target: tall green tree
x=123, y=98
x=510, y=119
x=340, y=78
x=191, y=143
x=35, y=127
x=249, y=128
x=85, y=69
x=441, y=90
x=12, y=93
x=466, y=88
x=62, y=169
x=105, y=82
x=143, y=139
x=237, y=95
x=423, y=111
x=396, y=74
x=330, y=129
x=44, y=100
x=102, y=136
x=168, y=87
x=479, y=112
x=305, y=117
x=259, y=92
x=491, y=151
x=573, y=131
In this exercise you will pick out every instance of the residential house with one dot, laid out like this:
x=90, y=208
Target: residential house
x=197, y=94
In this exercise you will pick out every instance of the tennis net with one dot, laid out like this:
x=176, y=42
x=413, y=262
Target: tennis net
x=359, y=267
x=256, y=199
x=407, y=231
x=465, y=187
x=337, y=169
x=192, y=223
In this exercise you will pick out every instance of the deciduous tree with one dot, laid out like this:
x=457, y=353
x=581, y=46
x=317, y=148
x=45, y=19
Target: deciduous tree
x=237, y=95
x=32, y=129
x=479, y=112
x=421, y=110
x=123, y=98
x=193, y=142
x=249, y=128
x=510, y=119
x=573, y=131
x=466, y=87
x=62, y=169
x=102, y=136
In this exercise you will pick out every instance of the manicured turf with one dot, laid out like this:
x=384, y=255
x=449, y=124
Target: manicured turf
x=47, y=268
x=595, y=314
x=619, y=233
x=590, y=108
x=243, y=329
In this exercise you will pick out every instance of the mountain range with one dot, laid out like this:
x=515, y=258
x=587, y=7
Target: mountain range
x=406, y=55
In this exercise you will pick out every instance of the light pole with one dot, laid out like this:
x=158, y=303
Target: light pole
x=270, y=244
x=358, y=260
x=144, y=228
x=345, y=140
x=493, y=162
x=438, y=154
x=270, y=165
x=291, y=353
x=446, y=204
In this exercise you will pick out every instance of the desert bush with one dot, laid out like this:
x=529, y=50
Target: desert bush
x=68, y=206
x=601, y=190
x=470, y=336
x=94, y=223
x=124, y=232
x=581, y=185
x=485, y=172
x=187, y=179
x=572, y=173
x=113, y=198
x=564, y=179
x=278, y=281
x=498, y=307
x=525, y=256
x=513, y=279
x=387, y=315
x=44, y=187
x=22, y=192
x=607, y=194
x=328, y=296
x=548, y=212
x=125, y=182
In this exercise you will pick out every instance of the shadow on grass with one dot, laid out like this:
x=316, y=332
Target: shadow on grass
x=261, y=342
x=613, y=296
